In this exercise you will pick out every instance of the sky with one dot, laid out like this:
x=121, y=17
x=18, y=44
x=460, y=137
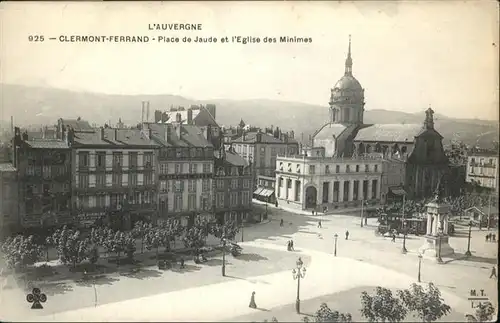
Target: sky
x=407, y=55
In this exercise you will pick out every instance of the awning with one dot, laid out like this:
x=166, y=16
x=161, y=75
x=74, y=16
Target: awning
x=267, y=192
x=397, y=190
x=258, y=191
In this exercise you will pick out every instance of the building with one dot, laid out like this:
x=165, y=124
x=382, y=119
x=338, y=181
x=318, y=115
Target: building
x=261, y=150
x=265, y=191
x=232, y=187
x=393, y=176
x=114, y=178
x=9, y=202
x=185, y=169
x=44, y=180
x=483, y=169
x=316, y=181
x=346, y=135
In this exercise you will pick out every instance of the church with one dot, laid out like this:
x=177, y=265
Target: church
x=348, y=145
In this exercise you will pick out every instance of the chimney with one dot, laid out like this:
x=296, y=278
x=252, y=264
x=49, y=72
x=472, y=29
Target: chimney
x=178, y=130
x=70, y=137
x=157, y=116
x=286, y=137
x=25, y=135
x=150, y=132
x=190, y=116
x=102, y=133
x=147, y=111
x=116, y=134
x=258, y=137
x=164, y=117
x=244, y=135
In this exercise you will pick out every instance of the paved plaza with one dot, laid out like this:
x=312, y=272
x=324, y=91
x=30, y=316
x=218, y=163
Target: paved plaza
x=202, y=294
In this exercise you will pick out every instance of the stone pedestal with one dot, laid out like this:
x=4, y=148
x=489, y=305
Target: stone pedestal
x=430, y=249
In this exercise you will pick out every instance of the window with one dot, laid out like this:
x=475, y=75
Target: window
x=178, y=202
x=233, y=198
x=367, y=168
x=178, y=168
x=193, y=168
x=117, y=160
x=192, y=202
x=312, y=169
x=327, y=169
x=245, y=200
x=117, y=179
x=246, y=183
x=205, y=203
x=337, y=169
x=347, y=168
x=205, y=185
x=163, y=186
x=132, y=180
x=206, y=168
x=192, y=185
x=220, y=184
x=163, y=168
x=234, y=183
x=132, y=160
x=100, y=201
x=100, y=180
x=179, y=186
x=46, y=171
x=357, y=168
x=148, y=160
x=83, y=159
x=375, y=168
x=220, y=200
x=148, y=179
x=100, y=159
x=83, y=181
x=281, y=166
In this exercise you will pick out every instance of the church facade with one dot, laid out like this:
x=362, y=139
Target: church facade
x=345, y=136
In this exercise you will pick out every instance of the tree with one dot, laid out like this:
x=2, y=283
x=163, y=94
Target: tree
x=484, y=312
x=382, y=307
x=71, y=247
x=153, y=239
x=227, y=230
x=118, y=242
x=194, y=239
x=325, y=314
x=21, y=251
x=427, y=304
x=169, y=229
x=140, y=231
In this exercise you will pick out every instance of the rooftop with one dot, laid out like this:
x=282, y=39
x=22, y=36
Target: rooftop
x=251, y=137
x=329, y=130
x=389, y=133
x=47, y=144
x=7, y=167
x=114, y=137
x=77, y=124
x=191, y=136
x=235, y=159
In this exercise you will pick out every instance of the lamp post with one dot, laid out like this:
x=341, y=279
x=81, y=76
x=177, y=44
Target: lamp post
x=468, y=253
x=439, y=259
x=403, y=250
x=298, y=274
x=223, y=256
x=335, y=245
x=362, y=204
x=95, y=290
x=242, y=228
x=419, y=266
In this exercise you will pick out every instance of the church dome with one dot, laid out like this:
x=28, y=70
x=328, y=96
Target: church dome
x=348, y=83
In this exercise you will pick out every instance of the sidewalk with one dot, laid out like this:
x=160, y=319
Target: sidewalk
x=325, y=275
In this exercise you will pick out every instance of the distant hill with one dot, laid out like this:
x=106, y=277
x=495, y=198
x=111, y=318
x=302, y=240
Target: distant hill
x=37, y=105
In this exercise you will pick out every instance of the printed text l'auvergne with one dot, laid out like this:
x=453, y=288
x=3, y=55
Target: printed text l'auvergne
x=175, y=26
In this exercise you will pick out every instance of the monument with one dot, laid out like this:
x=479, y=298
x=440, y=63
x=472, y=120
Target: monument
x=436, y=243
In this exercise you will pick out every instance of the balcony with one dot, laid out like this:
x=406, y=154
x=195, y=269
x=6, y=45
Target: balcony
x=115, y=189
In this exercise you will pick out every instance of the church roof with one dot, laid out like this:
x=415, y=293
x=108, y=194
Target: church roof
x=329, y=130
x=389, y=132
x=348, y=82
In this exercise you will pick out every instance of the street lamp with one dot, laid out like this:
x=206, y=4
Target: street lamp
x=468, y=253
x=93, y=285
x=404, y=238
x=419, y=266
x=335, y=248
x=440, y=235
x=362, y=204
x=223, y=256
x=298, y=273
x=242, y=227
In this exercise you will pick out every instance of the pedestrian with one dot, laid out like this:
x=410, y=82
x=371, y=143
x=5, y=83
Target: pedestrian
x=487, y=237
x=276, y=203
x=393, y=237
x=291, y=245
x=325, y=209
x=493, y=272
x=252, y=301
x=312, y=212
x=319, y=224
x=347, y=235
x=182, y=263
x=494, y=237
x=281, y=222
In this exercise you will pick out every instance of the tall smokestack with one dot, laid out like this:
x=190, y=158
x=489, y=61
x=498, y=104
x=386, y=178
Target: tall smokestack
x=12, y=126
x=147, y=113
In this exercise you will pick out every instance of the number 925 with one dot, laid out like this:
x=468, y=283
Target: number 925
x=35, y=38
